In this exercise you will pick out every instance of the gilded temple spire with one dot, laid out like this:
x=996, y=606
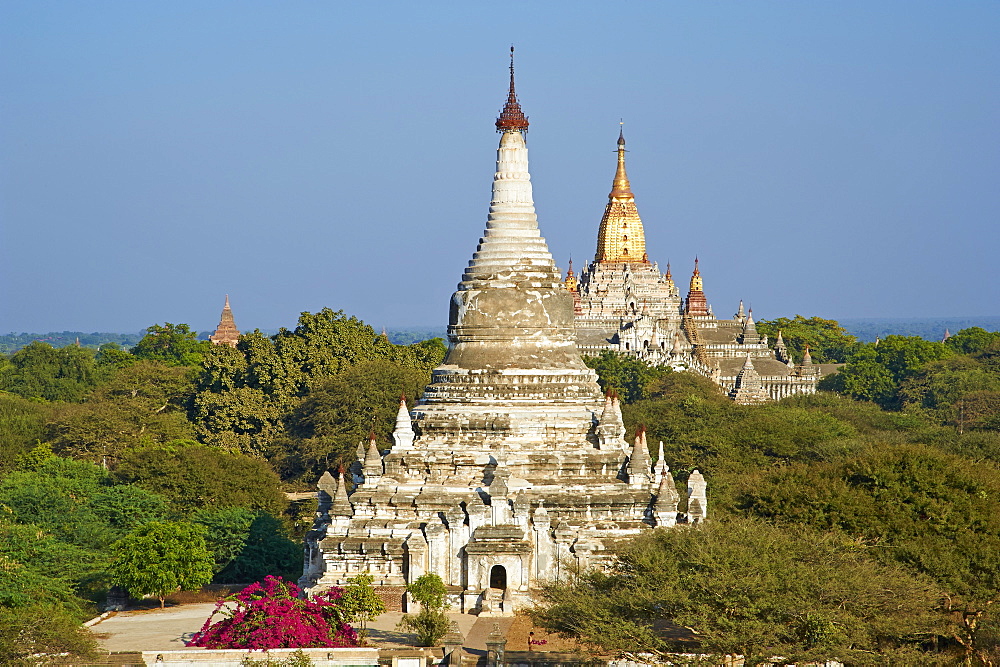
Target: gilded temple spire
x=621, y=188
x=621, y=237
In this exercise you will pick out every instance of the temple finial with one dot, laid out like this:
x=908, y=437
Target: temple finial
x=621, y=188
x=511, y=117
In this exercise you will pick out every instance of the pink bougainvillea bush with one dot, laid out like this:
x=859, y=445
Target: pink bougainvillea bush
x=270, y=614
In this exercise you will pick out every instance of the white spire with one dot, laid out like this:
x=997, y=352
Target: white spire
x=659, y=468
x=403, y=434
x=512, y=249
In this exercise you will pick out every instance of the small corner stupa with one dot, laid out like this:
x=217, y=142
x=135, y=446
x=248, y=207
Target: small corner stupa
x=226, y=333
x=513, y=468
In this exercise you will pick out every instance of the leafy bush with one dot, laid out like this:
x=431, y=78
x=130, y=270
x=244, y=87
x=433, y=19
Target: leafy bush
x=431, y=623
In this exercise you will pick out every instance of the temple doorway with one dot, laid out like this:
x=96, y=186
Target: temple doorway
x=498, y=577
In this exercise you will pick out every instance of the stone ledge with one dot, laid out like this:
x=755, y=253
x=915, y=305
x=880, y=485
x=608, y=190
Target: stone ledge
x=321, y=657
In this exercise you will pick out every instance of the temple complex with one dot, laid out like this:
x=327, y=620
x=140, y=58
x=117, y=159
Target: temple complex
x=625, y=304
x=226, y=333
x=512, y=469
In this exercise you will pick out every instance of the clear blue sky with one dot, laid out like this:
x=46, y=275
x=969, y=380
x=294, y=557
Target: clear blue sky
x=831, y=158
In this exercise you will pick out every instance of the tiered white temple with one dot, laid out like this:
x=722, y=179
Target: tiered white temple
x=512, y=469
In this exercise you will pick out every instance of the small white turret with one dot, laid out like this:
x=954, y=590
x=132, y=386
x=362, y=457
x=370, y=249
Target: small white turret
x=373, y=468
x=697, y=498
x=403, y=434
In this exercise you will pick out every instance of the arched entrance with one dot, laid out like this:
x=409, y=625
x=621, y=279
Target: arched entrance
x=498, y=577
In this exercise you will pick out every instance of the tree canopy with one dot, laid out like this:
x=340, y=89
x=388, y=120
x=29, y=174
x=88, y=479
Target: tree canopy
x=828, y=341
x=745, y=587
x=193, y=476
x=245, y=394
x=39, y=370
x=161, y=557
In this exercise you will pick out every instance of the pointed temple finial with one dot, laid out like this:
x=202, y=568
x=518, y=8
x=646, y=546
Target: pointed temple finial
x=512, y=119
x=621, y=237
x=621, y=188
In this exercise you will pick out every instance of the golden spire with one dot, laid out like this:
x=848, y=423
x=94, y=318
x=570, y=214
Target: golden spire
x=621, y=237
x=571, y=281
x=697, y=285
x=621, y=188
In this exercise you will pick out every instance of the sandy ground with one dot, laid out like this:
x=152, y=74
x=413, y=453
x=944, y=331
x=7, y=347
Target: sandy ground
x=153, y=629
x=167, y=629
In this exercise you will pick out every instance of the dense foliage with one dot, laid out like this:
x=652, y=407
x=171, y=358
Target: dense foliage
x=744, y=587
x=888, y=476
x=272, y=614
x=828, y=341
x=902, y=491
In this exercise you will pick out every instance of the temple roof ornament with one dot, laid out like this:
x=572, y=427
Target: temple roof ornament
x=511, y=117
x=621, y=237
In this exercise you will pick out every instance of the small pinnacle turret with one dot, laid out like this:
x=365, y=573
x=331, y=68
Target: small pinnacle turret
x=697, y=510
x=781, y=350
x=667, y=499
x=373, y=467
x=639, y=468
x=403, y=434
x=749, y=335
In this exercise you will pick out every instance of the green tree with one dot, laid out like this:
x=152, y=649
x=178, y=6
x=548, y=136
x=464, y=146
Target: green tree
x=171, y=344
x=77, y=502
x=192, y=476
x=876, y=370
x=161, y=557
x=266, y=551
x=22, y=426
x=226, y=531
x=56, y=374
x=245, y=394
x=828, y=341
x=744, y=587
x=629, y=376
x=141, y=404
x=340, y=412
x=360, y=604
x=974, y=341
x=943, y=387
x=37, y=633
x=431, y=623
x=111, y=355
x=933, y=512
